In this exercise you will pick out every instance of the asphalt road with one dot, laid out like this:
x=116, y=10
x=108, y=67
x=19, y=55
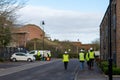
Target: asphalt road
x=50, y=71
x=9, y=64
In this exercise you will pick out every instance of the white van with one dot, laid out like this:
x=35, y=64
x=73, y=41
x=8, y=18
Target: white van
x=33, y=52
x=44, y=53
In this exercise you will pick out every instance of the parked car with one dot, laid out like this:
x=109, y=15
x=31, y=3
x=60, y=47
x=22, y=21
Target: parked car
x=21, y=56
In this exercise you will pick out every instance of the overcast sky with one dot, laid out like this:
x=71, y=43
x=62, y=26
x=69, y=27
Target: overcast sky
x=66, y=19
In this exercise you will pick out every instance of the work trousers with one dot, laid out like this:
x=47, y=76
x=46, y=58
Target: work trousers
x=81, y=65
x=65, y=65
x=88, y=63
x=91, y=63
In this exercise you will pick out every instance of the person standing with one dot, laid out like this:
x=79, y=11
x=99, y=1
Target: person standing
x=91, y=57
x=65, y=59
x=81, y=59
x=49, y=55
x=38, y=55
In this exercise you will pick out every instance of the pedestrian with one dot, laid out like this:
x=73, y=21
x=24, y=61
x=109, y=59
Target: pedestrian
x=38, y=55
x=65, y=59
x=49, y=55
x=91, y=57
x=42, y=55
x=81, y=59
x=87, y=59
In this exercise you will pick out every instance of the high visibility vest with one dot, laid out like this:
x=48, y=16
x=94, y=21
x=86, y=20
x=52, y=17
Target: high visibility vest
x=91, y=55
x=81, y=57
x=38, y=53
x=49, y=54
x=87, y=57
x=65, y=58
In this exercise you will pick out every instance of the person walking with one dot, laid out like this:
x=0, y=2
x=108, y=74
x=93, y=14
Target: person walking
x=65, y=59
x=91, y=57
x=87, y=59
x=81, y=59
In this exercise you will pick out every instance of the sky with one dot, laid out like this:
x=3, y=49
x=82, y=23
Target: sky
x=65, y=20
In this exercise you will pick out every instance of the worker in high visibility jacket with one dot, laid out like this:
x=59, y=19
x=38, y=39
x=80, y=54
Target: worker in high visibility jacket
x=87, y=59
x=38, y=55
x=65, y=59
x=81, y=59
x=91, y=57
x=48, y=56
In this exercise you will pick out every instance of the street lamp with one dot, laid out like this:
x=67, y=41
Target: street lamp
x=109, y=41
x=43, y=23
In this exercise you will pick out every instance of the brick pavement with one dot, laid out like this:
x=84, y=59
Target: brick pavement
x=95, y=74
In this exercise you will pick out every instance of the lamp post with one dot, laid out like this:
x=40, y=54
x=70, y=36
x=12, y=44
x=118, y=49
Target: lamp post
x=110, y=41
x=43, y=23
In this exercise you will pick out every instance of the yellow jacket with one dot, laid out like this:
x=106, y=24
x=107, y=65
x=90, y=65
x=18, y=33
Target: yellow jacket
x=87, y=57
x=91, y=55
x=81, y=56
x=65, y=58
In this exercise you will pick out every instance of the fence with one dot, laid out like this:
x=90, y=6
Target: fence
x=6, y=52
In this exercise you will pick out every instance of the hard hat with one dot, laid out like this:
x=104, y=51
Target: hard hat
x=81, y=50
x=91, y=48
x=65, y=52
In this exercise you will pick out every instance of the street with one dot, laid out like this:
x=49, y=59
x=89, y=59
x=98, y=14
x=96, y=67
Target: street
x=49, y=71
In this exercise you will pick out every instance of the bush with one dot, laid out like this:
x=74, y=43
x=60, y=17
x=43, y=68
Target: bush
x=2, y=60
x=73, y=55
x=70, y=55
x=59, y=55
x=116, y=71
x=104, y=66
x=105, y=70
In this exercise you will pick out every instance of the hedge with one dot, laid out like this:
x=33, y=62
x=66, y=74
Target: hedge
x=104, y=66
x=71, y=55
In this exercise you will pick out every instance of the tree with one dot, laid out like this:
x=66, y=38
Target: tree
x=96, y=43
x=8, y=8
x=8, y=15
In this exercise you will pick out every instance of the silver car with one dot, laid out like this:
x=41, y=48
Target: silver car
x=20, y=56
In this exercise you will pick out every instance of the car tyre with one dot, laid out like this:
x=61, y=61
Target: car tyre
x=14, y=59
x=29, y=60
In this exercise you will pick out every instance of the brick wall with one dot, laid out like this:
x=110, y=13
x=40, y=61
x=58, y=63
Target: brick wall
x=115, y=33
x=118, y=32
x=33, y=31
x=26, y=33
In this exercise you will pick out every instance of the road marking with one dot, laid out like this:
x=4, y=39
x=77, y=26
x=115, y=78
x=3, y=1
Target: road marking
x=76, y=72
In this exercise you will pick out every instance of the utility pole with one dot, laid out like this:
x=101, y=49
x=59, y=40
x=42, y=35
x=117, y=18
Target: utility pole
x=110, y=41
x=43, y=23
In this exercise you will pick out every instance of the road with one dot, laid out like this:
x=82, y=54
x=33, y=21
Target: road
x=49, y=71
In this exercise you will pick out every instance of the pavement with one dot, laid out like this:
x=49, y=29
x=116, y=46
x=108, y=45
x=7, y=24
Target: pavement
x=94, y=74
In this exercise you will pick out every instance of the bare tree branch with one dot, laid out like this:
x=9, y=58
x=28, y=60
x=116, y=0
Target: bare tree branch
x=8, y=9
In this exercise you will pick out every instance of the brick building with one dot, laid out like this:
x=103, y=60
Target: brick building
x=26, y=33
x=115, y=36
